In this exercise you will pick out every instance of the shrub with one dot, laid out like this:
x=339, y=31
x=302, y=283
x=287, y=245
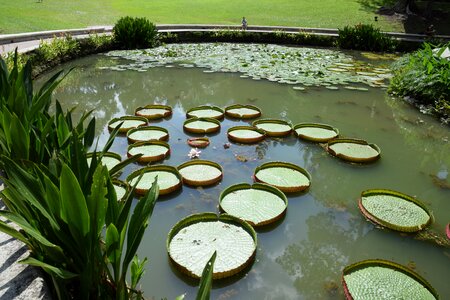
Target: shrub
x=425, y=76
x=131, y=33
x=365, y=37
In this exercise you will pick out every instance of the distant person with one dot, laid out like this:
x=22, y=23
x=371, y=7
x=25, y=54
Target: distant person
x=244, y=23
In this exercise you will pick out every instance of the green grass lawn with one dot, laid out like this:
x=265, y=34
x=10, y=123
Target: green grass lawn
x=30, y=15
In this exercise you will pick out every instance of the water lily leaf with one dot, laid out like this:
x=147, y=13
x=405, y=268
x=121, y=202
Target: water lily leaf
x=315, y=132
x=169, y=179
x=447, y=230
x=200, y=142
x=273, y=127
x=240, y=111
x=154, y=111
x=151, y=151
x=201, y=125
x=381, y=279
x=128, y=122
x=287, y=177
x=147, y=133
x=206, y=111
x=394, y=210
x=193, y=240
x=258, y=204
x=354, y=150
x=109, y=159
x=200, y=172
x=246, y=134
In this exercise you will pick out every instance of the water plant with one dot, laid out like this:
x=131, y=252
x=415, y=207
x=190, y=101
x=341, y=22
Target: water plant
x=287, y=177
x=154, y=111
x=200, y=172
x=315, y=132
x=354, y=150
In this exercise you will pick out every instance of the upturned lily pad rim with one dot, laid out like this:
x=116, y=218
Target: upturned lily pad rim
x=211, y=217
x=261, y=187
x=147, y=128
x=205, y=107
x=282, y=164
x=274, y=121
x=204, y=142
x=315, y=125
x=153, y=168
x=386, y=264
x=195, y=130
x=154, y=116
x=447, y=230
x=378, y=221
x=147, y=158
x=123, y=184
x=201, y=182
x=246, y=140
x=351, y=158
x=125, y=118
x=257, y=114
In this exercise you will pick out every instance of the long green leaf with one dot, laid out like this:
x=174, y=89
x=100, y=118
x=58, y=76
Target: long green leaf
x=97, y=202
x=52, y=270
x=14, y=233
x=206, y=280
x=113, y=249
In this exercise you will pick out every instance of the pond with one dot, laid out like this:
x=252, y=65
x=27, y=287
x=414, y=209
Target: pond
x=301, y=256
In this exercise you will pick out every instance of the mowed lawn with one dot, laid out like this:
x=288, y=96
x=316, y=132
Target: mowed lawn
x=30, y=15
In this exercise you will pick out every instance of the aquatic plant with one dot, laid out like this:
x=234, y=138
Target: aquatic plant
x=200, y=172
x=287, y=177
x=354, y=150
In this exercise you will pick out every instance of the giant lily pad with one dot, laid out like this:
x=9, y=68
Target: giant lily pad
x=354, y=150
x=169, y=180
x=121, y=188
x=274, y=127
x=151, y=151
x=316, y=132
x=147, y=133
x=206, y=111
x=246, y=134
x=193, y=240
x=198, y=142
x=258, y=204
x=288, y=177
x=381, y=279
x=154, y=111
x=200, y=172
x=394, y=210
x=240, y=111
x=109, y=159
x=201, y=125
x=129, y=122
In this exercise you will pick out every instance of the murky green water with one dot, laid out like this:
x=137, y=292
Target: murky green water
x=303, y=256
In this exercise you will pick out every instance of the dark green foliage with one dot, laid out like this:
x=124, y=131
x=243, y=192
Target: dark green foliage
x=424, y=76
x=132, y=33
x=365, y=37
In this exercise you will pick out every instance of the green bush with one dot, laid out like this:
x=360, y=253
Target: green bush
x=425, y=76
x=132, y=33
x=365, y=37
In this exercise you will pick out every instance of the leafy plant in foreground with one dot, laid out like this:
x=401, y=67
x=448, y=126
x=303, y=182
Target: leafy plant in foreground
x=131, y=33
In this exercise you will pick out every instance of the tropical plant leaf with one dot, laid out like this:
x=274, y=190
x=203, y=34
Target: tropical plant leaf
x=206, y=279
x=54, y=271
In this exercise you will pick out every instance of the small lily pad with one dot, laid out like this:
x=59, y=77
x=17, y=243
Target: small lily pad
x=109, y=159
x=354, y=150
x=129, y=122
x=382, y=279
x=193, y=240
x=154, y=111
x=200, y=172
x=201, y=125
x=199, y=142
x=394, y=210
x=206, y=111
x=315, y=132
x=258, y=204
x=151, y=151
x=240, y=111
x=147, y=133
x=169, y=179
x=274, y=127
x=287, y=177
x=246, y=134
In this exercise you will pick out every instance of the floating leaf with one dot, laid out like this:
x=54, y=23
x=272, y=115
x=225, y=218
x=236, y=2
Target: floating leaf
x=110, y=159
x=240, y=111
x=147, y=133
x=246, y=134
x=129, y=122
x=154, y=111
x=258, y=204
x=193, y=240
x=354, y=150
x=201, y=125
x=206, y=111
x=169, y=179
x=274, y=127
x=200, y=142
x=381, y=279
x=288, y=177
x=151, y=151
x=394, y=210
x=200, y=172
x=315, y=132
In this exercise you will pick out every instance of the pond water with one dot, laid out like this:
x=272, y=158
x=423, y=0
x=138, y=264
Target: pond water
x=302, y=256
